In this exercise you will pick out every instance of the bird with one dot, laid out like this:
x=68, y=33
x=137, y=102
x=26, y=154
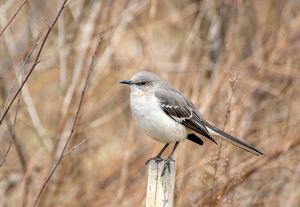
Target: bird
x=168, y=116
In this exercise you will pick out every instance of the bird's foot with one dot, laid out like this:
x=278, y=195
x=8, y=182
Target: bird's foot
x=167, y=164
x=156, y=159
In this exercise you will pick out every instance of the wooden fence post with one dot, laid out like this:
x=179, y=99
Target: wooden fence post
x=160, y=189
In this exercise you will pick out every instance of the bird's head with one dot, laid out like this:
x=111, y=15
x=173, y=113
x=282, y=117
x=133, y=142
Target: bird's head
x=143, y=82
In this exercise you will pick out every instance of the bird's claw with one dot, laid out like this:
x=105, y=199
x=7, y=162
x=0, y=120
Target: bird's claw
x=156, y=159
x=159, y=159
x=167, y=164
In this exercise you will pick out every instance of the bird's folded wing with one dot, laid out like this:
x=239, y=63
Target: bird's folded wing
x=180, y=109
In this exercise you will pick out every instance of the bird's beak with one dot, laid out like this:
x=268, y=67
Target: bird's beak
x=126, y=82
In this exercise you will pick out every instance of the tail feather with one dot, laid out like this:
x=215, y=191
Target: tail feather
x=227, y=137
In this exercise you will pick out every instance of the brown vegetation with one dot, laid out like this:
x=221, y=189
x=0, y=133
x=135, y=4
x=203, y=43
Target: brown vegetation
x=199, y=47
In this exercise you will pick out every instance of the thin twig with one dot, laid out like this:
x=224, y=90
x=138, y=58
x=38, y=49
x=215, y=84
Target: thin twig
x=38, y=41
x=74, y=148
x=21, y=69
x=36, y=61
x=12, y=132
x=232, y=82
x=15, y=14
x=62, y=155
x=47, y=22
x=67, y=3
x=252, y=167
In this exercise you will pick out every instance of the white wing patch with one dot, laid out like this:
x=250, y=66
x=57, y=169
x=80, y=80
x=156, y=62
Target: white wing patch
x=177, y=113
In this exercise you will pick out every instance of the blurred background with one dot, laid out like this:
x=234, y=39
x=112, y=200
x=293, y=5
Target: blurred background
x=237, y=60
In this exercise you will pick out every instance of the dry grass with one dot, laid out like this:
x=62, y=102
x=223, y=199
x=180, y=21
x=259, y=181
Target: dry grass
x=195, y=46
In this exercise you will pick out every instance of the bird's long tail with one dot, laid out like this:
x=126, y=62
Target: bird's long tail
x=227, y=137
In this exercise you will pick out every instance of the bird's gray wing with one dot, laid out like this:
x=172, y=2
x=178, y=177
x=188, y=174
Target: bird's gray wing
x=182, y=110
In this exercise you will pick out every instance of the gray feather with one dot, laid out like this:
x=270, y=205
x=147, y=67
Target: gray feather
x=182, y=110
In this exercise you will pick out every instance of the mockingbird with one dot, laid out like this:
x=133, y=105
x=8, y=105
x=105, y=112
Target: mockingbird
x=168, y=116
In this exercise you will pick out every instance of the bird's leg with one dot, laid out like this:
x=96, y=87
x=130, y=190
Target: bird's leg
x=158, y=157
x=169, y=159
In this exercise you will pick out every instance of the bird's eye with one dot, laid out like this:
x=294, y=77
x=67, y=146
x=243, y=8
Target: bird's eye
x=143, y=82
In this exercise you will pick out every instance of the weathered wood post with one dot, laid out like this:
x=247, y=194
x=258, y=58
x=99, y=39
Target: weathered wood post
x=160, y=189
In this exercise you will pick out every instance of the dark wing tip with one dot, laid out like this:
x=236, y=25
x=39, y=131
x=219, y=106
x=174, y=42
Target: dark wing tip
x=213, y=140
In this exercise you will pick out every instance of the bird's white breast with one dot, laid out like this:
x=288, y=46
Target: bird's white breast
x=150, y=117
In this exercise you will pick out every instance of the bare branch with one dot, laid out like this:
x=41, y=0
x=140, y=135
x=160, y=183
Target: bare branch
x=74, y=148
x=232, y=82
x=21, y=69
x=67, y=3
x=36, y=61
x=62, y=155
x=47, y=22
x=15, y=14
x=12, y=132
